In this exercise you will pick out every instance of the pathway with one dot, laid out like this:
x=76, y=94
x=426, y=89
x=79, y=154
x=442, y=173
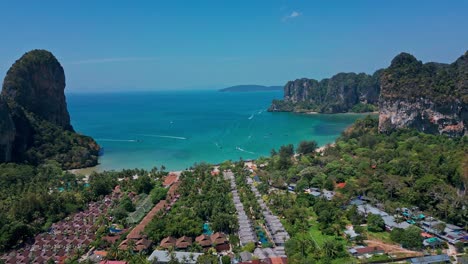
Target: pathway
x=274, y=228
x=246, y=230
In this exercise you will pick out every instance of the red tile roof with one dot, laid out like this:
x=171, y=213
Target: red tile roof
x=366, y=250
x=184, y=242
x=168, y=242
x=170, y=179
x=279, y=260
x=341, y=185
x=203, y=240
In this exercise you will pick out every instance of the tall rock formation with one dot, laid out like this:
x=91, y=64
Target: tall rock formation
x=35, y=123
x=343, y=92
x=7, y=132
x=36, y=82
x=431, y=97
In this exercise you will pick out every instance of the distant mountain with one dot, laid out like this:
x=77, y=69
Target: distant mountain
x=251, y=88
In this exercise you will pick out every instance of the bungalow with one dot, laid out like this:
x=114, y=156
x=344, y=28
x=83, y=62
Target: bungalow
x=142, y=245
x=203, y=240
x=220, y=241
x=168, y=242
x=183, y=242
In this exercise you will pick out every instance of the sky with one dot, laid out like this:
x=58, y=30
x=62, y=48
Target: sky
x=107, y=46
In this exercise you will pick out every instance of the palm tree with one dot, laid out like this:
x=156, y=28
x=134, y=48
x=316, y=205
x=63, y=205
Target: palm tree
x=113, y=252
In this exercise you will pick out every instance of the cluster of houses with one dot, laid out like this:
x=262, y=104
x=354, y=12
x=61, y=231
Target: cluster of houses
x=246, y=231
x=434, y=229
x=164, y=256
x=450, y=233
x=275, y=230
x=390, y=222
x=316, y=192
x=273, y=226
x=136, y=238
x=217, y=240
x=64, y=237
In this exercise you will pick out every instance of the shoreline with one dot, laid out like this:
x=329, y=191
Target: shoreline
x=89, y=170
x=84, y=171
x=341, y=113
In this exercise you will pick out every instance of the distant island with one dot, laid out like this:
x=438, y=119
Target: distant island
x=251, y=88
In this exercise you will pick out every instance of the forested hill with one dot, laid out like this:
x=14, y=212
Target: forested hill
x=251, y=88
x=402, y=169
x=35, y=124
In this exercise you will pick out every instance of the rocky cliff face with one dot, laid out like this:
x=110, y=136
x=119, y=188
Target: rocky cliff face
x=430, y=97
x=36, y=82
x=35, y=123
x=7, y=132
x=341, y=93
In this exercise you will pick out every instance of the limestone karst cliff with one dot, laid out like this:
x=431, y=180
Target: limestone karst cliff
x=35, y=123
x=344, y=92
x=430, y=97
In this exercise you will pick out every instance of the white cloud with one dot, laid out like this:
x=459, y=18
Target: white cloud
x=110, y=60
x=294, y=14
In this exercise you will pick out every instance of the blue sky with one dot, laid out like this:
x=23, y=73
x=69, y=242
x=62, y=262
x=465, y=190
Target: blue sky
x=161, y=45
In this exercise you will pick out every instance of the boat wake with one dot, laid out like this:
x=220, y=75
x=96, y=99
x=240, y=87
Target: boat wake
x=116, y=140
x=163, y=136
x=250, y=117
x=243, y=150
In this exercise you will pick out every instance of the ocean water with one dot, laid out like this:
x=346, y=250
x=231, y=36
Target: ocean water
x=179, y=128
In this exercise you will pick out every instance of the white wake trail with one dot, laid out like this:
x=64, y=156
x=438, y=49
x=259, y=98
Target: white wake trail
x=163, y=136
x=116, y=140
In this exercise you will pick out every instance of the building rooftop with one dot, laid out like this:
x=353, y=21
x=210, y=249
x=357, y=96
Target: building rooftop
x=444, y=258
x=164, y=256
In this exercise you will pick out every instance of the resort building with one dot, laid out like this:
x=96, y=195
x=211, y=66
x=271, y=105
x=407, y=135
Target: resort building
x=163, y=256
x=444, y=258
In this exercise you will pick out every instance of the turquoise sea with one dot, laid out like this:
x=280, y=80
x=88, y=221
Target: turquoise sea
x=178, y=128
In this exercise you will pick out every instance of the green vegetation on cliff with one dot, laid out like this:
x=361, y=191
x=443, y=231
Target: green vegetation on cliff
x=344, y=92
x=408, y=77
x=430, y=97
x=40, y=129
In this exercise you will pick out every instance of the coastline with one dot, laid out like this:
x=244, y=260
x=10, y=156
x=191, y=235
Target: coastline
x=344, y=113
x=85, y=171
